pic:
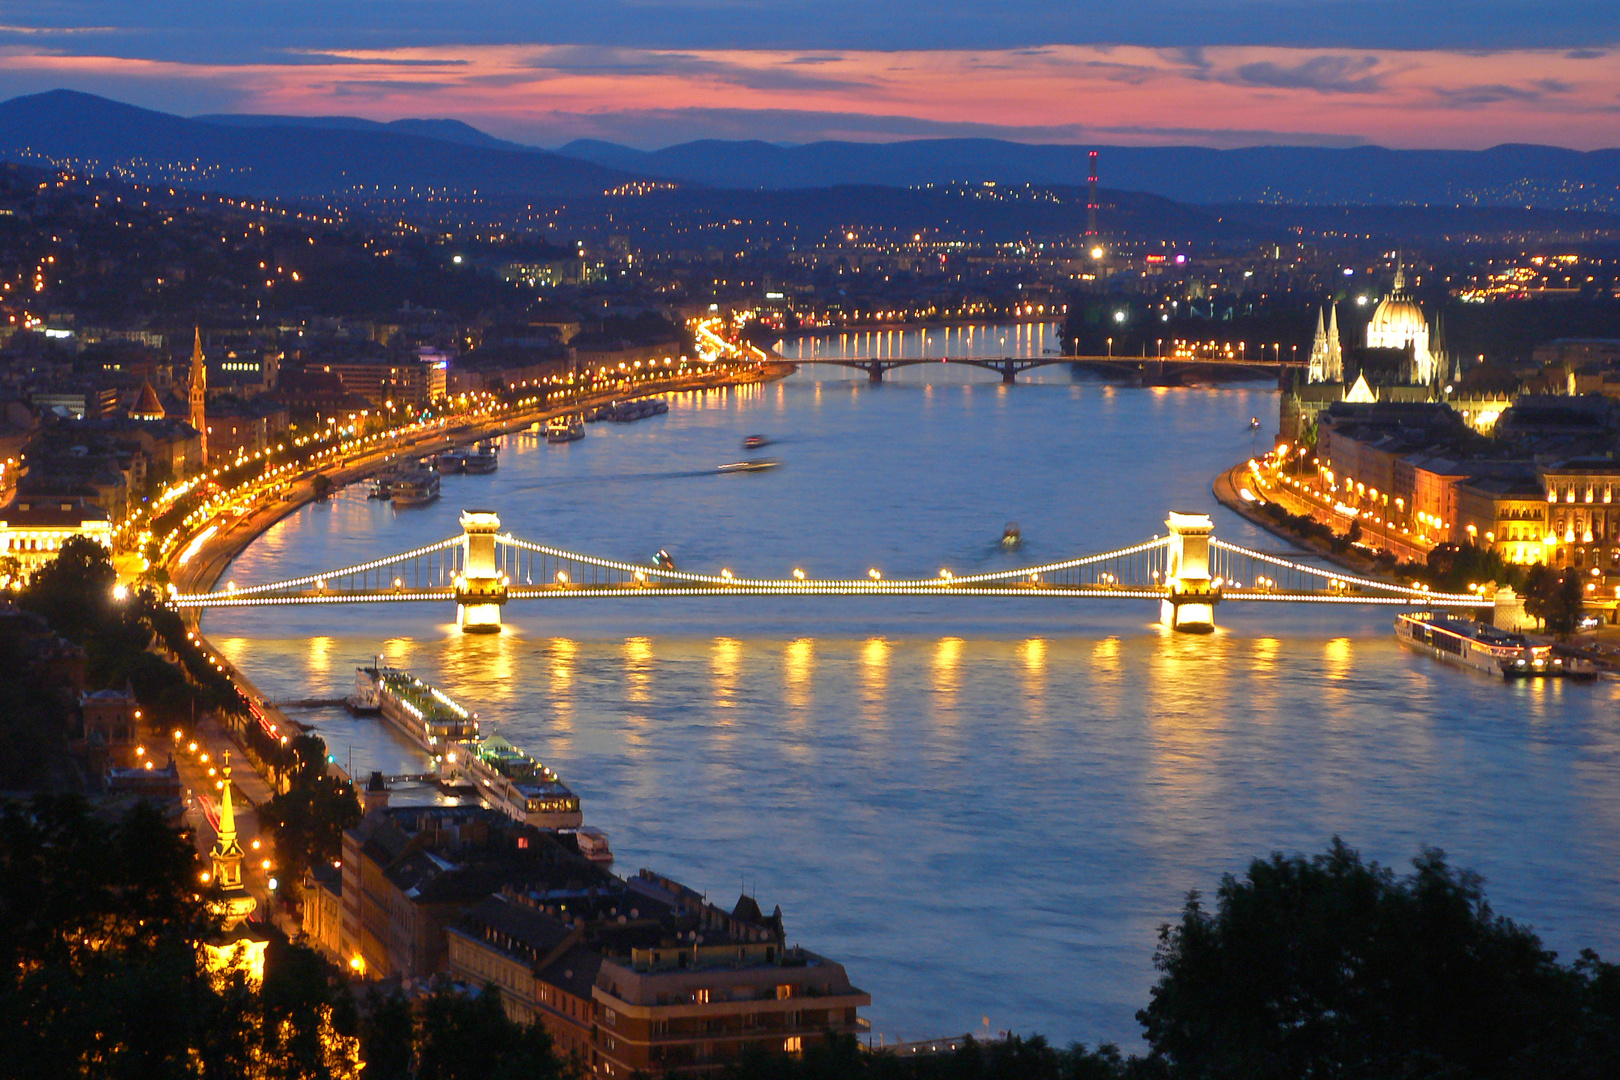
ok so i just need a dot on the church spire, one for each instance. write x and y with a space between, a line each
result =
197 392
1400 275
1335 352
1319 352
227 854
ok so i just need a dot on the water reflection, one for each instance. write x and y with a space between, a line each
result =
798 671
725 661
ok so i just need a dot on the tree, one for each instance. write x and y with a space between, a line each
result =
74 590
1555 597
308 819
470 1037
1334 967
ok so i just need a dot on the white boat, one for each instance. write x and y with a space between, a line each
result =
415 488
564 429
1465 643
746 466
422 713
512 782
593 844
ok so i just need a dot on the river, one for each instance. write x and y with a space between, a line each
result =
983 808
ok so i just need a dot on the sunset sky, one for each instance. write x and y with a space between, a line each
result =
654 72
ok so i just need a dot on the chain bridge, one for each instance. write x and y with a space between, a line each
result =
1009 367
1187 571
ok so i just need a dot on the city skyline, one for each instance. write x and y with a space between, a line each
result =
649 75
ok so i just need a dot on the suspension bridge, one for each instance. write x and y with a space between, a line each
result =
1187 571
1009 367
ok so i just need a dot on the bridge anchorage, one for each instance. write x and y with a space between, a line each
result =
1188 571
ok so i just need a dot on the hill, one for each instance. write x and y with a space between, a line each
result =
307 159
1513 175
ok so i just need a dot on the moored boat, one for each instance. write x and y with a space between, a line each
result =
564 429
481 460
1465 643
415 487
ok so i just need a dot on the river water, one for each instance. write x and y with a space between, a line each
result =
983 808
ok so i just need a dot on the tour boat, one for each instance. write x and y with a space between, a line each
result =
1011 536
423 714
593 843
564 429
664 560
452 461
482 460
512 782
746 466
1465 643
505 778
415 488
381 488
755 442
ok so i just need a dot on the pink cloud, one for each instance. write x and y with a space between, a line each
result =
548 93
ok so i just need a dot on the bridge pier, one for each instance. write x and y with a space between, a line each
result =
1190 607
1008 375
480 587
874 373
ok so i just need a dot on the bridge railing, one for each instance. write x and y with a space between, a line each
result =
539 565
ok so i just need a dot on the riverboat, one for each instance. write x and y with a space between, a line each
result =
746 466
381 488
415 487
505 778
1465 643
482 460
756 442
451 461
1012 536
422 713
564 429
512 782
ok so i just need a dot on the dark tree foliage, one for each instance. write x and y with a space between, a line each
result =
1013 1058
1555 597
386 1036
460 1037
308 819
1334 967
74 590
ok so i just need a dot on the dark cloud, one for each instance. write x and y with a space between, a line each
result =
591 60
1586 54
1324 74
1472 97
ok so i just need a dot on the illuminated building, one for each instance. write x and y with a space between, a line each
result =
646 977
1398 323
236 948
33 529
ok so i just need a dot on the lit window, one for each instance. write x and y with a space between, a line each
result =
793 1044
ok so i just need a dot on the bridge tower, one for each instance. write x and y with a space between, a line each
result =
1190 607
480 587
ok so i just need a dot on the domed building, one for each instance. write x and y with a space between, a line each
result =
1398 323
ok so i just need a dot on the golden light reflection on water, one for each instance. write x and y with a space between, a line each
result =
638 662
798 673
947 661
874 670
1033 653
320 657
725 661
561 654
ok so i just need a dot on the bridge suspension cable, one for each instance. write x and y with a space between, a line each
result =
359 569
1389 592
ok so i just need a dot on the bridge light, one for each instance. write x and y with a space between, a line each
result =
798 575
1216 583
725 574
562 577
398 583
873 574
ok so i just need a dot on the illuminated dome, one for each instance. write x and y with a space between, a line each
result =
1398 323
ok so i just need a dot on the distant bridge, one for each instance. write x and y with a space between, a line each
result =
1010 367
1187 571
